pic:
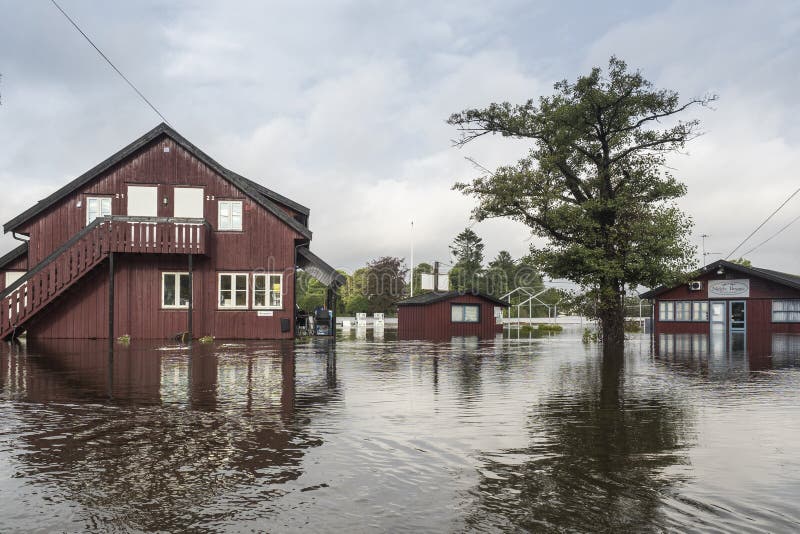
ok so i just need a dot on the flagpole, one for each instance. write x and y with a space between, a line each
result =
412 258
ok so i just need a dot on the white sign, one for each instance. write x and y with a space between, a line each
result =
428 279
265 313
729 288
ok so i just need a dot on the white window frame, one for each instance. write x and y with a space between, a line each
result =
229 226
268 291
177 305
99 199
233 291
463 306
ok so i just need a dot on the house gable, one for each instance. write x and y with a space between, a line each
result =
291 213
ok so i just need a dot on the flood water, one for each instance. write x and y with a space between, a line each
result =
377 435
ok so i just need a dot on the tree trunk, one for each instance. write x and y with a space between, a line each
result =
611 313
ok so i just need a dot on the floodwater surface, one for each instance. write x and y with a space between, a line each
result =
374 434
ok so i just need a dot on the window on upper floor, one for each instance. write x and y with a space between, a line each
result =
268 291
230 215
97 207
188 202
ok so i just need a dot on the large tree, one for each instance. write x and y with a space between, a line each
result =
386 283
594 183
500 274
467 250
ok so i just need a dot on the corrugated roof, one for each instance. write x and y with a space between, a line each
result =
786 279
266 198
316 267
430 298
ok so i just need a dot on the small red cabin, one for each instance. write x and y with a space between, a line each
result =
442 316
156 241
724 299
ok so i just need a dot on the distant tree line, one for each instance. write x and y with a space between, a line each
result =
383 282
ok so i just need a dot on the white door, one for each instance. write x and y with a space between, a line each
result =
189 202
142 201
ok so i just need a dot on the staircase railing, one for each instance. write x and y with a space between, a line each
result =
82 252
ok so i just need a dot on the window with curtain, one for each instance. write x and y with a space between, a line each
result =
666 311
465 313
786 311
700 311
230 215
683 311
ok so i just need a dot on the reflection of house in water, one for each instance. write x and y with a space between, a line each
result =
754 351
160 437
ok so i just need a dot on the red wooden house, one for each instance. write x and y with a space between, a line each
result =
156 240
444 315
726 297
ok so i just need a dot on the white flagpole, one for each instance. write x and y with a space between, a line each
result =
412 258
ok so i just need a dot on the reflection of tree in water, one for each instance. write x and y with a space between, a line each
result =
174 467
595 463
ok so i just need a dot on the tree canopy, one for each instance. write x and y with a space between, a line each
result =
594 183
467 250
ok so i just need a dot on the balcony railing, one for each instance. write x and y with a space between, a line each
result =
155 235
86 249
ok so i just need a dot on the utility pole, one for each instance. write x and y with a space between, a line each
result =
435 276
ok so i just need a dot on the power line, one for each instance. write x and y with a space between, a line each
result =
773 235
763 223
138 92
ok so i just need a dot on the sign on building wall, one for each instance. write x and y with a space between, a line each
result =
727 289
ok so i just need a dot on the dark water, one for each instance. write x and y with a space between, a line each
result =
377 435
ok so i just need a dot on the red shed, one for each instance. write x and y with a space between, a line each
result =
726 297
157 240
441 316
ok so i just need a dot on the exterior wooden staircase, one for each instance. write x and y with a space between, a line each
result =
54 275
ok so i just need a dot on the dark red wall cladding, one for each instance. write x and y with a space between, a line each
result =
262 235
433 321
759 288
265 244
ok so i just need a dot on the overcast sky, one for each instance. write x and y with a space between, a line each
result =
342 105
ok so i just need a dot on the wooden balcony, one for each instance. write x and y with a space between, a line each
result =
154 235
86 249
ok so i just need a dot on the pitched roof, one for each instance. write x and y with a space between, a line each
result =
13 255
266 198
789 280
430 298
